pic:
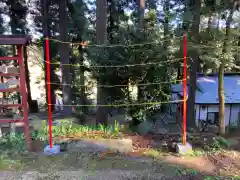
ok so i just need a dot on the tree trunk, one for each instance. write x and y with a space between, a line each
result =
82 82
13 20
2 81
141 14
166 45
221 71
141 11
73 60
64 57
101 27
46 33
221 98
27 76
194 64
238 53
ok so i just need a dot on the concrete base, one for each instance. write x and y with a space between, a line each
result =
183 149
51 151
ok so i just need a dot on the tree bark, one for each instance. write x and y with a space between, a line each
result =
46 33
64 57
221 71
27 76
141 12
101 27
194 64
221 99
82 82
166 43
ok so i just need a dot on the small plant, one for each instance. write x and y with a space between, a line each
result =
197 152
116 128
69 129
219 143
153 153
102 127
7 163
183 172
224 143
14 144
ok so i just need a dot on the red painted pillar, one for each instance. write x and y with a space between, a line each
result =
49 92
184 89
24 100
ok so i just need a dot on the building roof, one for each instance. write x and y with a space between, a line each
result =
14 40
207 92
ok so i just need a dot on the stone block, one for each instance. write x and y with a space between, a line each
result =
101 145
183 149
55 149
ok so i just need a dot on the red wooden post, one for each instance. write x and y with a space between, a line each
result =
49 92
24 100
184 139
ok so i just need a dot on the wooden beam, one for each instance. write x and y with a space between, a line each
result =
8 58
10 90
6 69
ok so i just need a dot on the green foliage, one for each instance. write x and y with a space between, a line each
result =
186 172
13 144
219 143
68 129
7 163
116 128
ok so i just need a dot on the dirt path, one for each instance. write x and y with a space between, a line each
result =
94 166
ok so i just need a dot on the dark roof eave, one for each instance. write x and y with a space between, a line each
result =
217 103
14 40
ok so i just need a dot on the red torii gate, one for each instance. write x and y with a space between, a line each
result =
18 41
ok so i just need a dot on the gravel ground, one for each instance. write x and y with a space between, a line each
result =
99 175
80 175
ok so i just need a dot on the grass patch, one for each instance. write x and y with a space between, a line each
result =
180 171
68 129
13 144
221 178
7 163
154 153
218 144
196 153
76 161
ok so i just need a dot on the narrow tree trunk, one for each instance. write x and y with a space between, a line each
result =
14 27
2 81
46 33
166 27
27 76
73 61
141 14
221 98
194 64
221 72
64 57
238 52
166 45
82 82
141 11
101 28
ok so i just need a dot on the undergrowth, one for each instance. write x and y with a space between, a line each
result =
69 129
16 143
218 144
13 144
